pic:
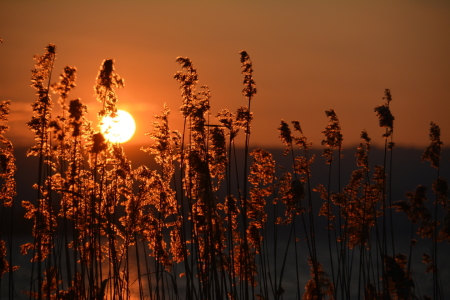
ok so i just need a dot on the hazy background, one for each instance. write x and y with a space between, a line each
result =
308 56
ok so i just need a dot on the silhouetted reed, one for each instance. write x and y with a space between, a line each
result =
203 224
8 191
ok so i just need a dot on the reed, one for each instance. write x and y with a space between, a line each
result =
209 222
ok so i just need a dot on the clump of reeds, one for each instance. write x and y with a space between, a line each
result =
204 225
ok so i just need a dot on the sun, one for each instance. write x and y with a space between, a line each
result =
118 129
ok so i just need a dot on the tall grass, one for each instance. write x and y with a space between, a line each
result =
204 224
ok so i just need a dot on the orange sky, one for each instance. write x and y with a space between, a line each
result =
308 56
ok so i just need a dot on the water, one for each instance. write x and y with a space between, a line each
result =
408 173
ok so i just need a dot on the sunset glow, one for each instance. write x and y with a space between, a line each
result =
224 150
119 129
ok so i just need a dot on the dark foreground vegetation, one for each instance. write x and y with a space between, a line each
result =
209 220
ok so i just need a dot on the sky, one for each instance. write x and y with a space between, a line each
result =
308 57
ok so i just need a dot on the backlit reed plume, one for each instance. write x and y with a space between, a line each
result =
8 190
41 212
322 288
332 141
40 80
333 136
433 155
433 151
7 160
386 120
385 117
249 90
107 80
244 114
400 282
285 136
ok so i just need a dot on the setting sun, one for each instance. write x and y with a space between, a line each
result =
119 129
